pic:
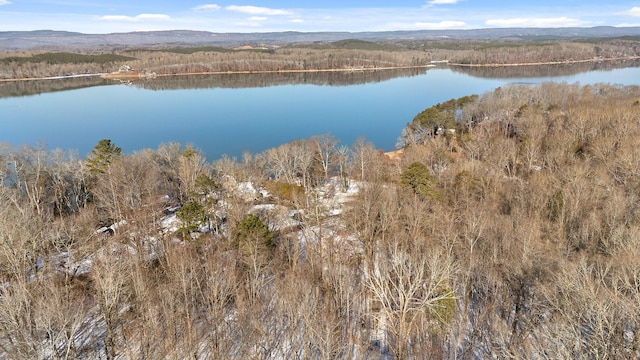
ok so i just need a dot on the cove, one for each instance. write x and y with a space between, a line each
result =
226 114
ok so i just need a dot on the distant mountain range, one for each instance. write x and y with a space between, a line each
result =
49 39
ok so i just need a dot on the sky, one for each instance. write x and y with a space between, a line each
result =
113 16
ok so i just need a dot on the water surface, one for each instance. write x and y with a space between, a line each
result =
232 114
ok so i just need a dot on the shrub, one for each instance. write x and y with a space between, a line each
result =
285 191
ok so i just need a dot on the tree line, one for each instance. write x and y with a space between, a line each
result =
514 236
519 52
345 54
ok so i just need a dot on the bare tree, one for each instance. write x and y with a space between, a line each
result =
413 294
190 164
325 150
366 161
110 275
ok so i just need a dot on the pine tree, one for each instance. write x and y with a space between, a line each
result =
253 231
102 155
192 215
418 179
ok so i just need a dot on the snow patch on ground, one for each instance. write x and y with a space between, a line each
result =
170 223
333 195
279 218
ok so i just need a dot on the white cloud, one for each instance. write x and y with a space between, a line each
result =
297 21
5 2
257 10
135 18
153 17
207 7
634 11
258 18
442 2
536 22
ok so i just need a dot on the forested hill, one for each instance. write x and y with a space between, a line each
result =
16 40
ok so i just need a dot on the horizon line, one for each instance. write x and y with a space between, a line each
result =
329 31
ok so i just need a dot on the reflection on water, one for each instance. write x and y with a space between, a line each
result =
337 78
231 81
230 114
35 87
534 71
237 81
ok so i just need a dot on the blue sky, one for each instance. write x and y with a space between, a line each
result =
108 16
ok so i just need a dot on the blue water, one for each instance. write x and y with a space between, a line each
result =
221 121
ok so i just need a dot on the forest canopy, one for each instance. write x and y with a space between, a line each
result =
64 58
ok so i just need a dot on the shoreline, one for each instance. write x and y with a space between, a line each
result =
635 57
125 76
137 76
59 77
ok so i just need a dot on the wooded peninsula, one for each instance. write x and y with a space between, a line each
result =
508 227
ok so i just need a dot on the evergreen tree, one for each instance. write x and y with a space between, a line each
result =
253 231
418 179
102 155
192 215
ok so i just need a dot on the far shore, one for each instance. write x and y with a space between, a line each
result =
54 77
125 76
135 75
130 76
594 60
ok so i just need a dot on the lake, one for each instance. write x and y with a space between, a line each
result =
231 114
